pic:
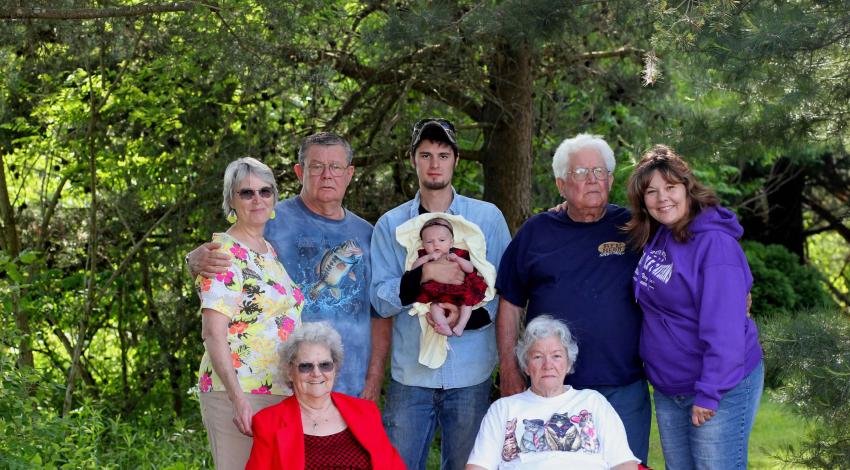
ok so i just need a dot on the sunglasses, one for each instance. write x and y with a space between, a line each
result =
444 123
248 194
307 367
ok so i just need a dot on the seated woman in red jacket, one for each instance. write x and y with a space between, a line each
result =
316 428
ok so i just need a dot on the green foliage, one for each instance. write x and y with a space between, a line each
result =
34 435
761 75
781 285
810 352
829 253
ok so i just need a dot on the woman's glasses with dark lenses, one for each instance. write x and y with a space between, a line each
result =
307 367
248 194
444 123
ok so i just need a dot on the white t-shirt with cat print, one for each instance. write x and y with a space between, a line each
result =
576 429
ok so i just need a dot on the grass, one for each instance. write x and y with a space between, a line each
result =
776 427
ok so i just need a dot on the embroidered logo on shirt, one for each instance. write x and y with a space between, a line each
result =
612 248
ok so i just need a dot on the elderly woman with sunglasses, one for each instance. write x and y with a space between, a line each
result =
248 312
317 428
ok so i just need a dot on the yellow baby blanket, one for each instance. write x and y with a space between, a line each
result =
467 236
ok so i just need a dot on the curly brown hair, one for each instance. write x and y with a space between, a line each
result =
673 169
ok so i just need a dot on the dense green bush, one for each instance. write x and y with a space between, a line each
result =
33 434
780 283
810 351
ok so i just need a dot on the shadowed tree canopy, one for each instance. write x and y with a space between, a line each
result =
770 91
486 65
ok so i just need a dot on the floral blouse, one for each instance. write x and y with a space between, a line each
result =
264 307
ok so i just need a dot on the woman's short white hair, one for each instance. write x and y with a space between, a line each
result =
237 171
541 327
315 333
565 151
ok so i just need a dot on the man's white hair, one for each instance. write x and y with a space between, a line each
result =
561 159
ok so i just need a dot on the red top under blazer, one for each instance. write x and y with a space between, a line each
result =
279 437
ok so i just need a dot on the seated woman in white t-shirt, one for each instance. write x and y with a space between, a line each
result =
551 425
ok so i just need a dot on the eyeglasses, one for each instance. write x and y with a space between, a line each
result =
307 367
248 194
316 169
444 123
581 173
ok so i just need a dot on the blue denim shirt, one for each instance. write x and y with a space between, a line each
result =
471 357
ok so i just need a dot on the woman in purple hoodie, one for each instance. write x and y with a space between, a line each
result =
699 345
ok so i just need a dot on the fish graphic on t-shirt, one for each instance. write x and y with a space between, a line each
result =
335 265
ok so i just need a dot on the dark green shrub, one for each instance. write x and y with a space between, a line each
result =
781 284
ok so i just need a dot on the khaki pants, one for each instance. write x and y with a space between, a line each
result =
230 448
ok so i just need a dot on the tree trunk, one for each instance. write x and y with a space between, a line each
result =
122 339
785 204
777 218
174 374
94 13
91 272
12 244
508 130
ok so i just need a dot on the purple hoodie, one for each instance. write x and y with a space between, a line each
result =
696 337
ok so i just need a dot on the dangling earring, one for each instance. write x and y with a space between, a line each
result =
231 216
272 215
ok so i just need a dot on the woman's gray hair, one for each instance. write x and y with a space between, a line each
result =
239 170
541 327
316 333
565 151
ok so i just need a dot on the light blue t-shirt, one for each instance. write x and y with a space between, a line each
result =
329 259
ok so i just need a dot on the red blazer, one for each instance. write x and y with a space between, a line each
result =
279 437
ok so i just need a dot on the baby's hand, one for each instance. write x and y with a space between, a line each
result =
435 256
451 257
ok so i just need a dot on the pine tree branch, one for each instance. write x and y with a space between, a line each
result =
392 73
827 215
95 13
814 231
619 52
841 296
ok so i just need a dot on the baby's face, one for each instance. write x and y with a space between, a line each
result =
437 239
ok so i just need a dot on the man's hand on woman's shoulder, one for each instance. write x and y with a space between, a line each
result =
207 261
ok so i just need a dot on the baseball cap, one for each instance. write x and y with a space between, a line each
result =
436 129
